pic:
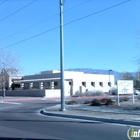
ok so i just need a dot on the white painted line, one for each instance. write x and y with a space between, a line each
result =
9 103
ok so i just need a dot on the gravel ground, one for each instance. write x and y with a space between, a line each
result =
126 106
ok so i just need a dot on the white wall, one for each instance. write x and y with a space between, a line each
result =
79 77
54 93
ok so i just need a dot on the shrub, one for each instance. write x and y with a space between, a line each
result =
77 93
113 90
72 103
95 102
87 102
90 93
98 93
109 102
104 100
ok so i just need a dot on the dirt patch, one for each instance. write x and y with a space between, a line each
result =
72 103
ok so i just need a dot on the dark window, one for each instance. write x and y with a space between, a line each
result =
84 84
70 83
101 84
93 84
17 85
48 84
55 84
109 84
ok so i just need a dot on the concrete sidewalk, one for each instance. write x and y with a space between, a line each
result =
127 113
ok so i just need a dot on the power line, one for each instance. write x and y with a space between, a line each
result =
29 38
65 24
77 5
27 27
98 12
42 21
17 11
3 2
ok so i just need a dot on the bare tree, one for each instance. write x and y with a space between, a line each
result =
137 79
136 59
127 76
8 67
137 75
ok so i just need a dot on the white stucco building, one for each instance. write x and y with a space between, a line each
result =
74 81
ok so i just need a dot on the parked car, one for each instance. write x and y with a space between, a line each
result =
136 92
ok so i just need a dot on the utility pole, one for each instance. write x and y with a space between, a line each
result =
62 58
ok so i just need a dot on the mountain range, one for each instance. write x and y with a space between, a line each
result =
116 74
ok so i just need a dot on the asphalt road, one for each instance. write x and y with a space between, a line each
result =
25 121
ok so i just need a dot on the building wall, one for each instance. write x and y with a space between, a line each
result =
74 81
24 93
90 81
34 93
55 93
41 76
12 78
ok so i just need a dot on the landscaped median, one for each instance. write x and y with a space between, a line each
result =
127 113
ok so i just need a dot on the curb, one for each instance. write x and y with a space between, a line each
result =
91 118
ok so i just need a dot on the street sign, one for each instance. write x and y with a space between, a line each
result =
125 86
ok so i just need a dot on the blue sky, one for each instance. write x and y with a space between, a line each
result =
106 40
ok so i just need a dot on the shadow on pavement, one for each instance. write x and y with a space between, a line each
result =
44 121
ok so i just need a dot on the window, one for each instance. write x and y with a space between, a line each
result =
101 84
48 83
55 84
84 84
70 83
109 84
36 85
93 84
17 85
